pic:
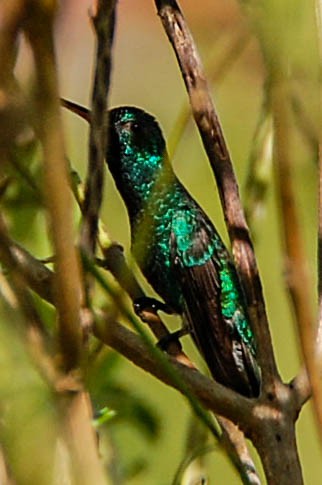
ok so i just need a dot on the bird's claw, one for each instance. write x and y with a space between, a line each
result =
145 303
165 341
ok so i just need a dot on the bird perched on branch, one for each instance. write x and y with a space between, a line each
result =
180 252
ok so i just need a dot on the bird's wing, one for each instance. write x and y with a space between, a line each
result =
201 265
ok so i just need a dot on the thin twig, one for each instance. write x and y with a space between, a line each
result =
103 19
35 274
38 275
115 262
18 283
216 149
79 110
233 440
213 395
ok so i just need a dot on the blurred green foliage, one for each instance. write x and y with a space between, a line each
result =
142 425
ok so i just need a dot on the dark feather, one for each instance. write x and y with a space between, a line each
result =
229 358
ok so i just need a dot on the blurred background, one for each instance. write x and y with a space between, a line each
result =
145 74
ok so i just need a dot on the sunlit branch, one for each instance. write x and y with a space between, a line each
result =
67 277
211 133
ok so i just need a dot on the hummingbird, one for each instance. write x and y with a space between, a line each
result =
180 252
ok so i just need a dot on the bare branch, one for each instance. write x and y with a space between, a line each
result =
213 395
235 444
103 21
262 419
77 109
87 468
302 388
18 282
216 149
317 391
126 342
67 276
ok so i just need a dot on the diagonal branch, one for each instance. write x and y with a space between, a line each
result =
211 133
219 398
213 395
261 419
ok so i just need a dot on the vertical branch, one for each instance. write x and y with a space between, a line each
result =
211 133
76 407
103 21
87 468
67 280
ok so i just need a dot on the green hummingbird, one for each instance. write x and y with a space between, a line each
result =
180 252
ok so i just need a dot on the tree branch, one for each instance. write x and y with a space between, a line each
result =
216 149
128 343
213 395
67 276
261 419
103 18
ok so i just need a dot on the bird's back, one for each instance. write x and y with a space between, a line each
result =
188 265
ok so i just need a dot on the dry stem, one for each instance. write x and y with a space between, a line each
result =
103 20
58 199
211 133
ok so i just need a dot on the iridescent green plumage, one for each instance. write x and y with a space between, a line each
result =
179 250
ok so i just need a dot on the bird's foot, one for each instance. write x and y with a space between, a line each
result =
165 341
144 304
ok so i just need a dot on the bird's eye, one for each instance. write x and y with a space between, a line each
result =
131 126
126 126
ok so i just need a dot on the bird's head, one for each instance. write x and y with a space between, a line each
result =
136 151
134 135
